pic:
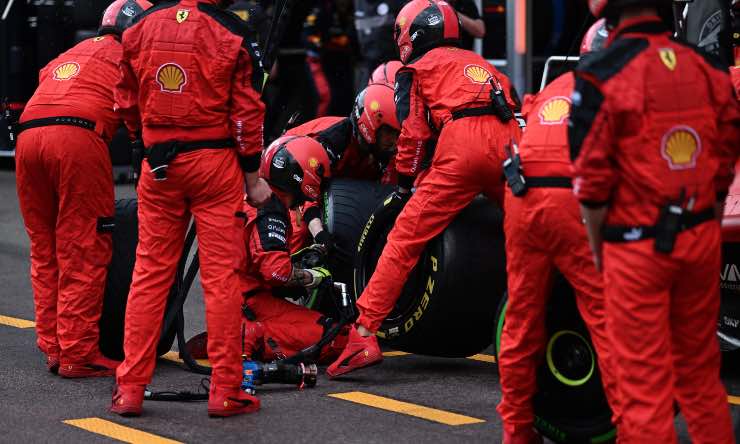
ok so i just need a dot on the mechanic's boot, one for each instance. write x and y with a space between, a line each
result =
127 400
52 363
224 402
526 436
360 352
98 366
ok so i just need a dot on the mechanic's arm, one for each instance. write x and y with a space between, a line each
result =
247 115
728 149
590 137
126 97
473 26
415 130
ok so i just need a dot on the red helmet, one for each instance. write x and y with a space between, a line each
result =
423 25
595 38
602 8
296 165
386 73
374 107
120 14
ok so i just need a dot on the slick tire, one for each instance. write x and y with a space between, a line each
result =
118 282
570 405
347 206
449 301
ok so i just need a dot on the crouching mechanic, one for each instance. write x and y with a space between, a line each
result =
544 231
65 190
190 82
297 168
650 165
459 92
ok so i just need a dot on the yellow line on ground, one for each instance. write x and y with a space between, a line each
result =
733 399
389 354
407 408
483 358
117 431
175 357
16 322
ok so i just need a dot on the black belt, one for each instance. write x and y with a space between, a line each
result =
473 112
59 120
622 233
548 182
160 155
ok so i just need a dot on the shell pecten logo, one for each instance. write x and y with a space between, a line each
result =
171 78
66 71
555 111
681 147
477 74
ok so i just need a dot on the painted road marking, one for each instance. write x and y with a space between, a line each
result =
116 431
389 354
483 358
16 322
174 356
733 399
407 408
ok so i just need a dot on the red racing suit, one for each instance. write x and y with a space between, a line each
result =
655 121
347 158
65 188
273 327
466 162
190 74
544 231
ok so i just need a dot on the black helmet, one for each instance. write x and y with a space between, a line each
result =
120 14
423 25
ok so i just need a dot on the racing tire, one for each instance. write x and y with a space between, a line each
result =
570 405
118 283
348 204
449 301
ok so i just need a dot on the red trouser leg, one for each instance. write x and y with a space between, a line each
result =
163 219
217 194
696 357
466 163
529 270
85 194
572 256
38 201
662 313
292 327
73 167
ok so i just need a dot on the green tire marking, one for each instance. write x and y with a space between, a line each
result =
500 329
551 365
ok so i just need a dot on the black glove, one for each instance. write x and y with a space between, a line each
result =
324 238
137 157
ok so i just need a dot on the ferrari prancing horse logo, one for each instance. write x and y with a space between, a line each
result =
182 15
668 57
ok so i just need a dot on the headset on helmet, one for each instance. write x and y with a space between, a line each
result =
374 107
296 165
120 14
386 73
595 38
422 25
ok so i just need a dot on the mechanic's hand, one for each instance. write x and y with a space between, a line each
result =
318 274
324 239
258 191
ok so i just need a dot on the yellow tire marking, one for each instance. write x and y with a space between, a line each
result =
733 399
117 431
406 408
389 354
175 357
16 322
483 358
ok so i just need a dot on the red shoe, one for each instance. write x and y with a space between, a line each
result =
127 400
229 402
52 363
360 352
99 366
526 436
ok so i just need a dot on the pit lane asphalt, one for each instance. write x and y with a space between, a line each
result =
34 403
